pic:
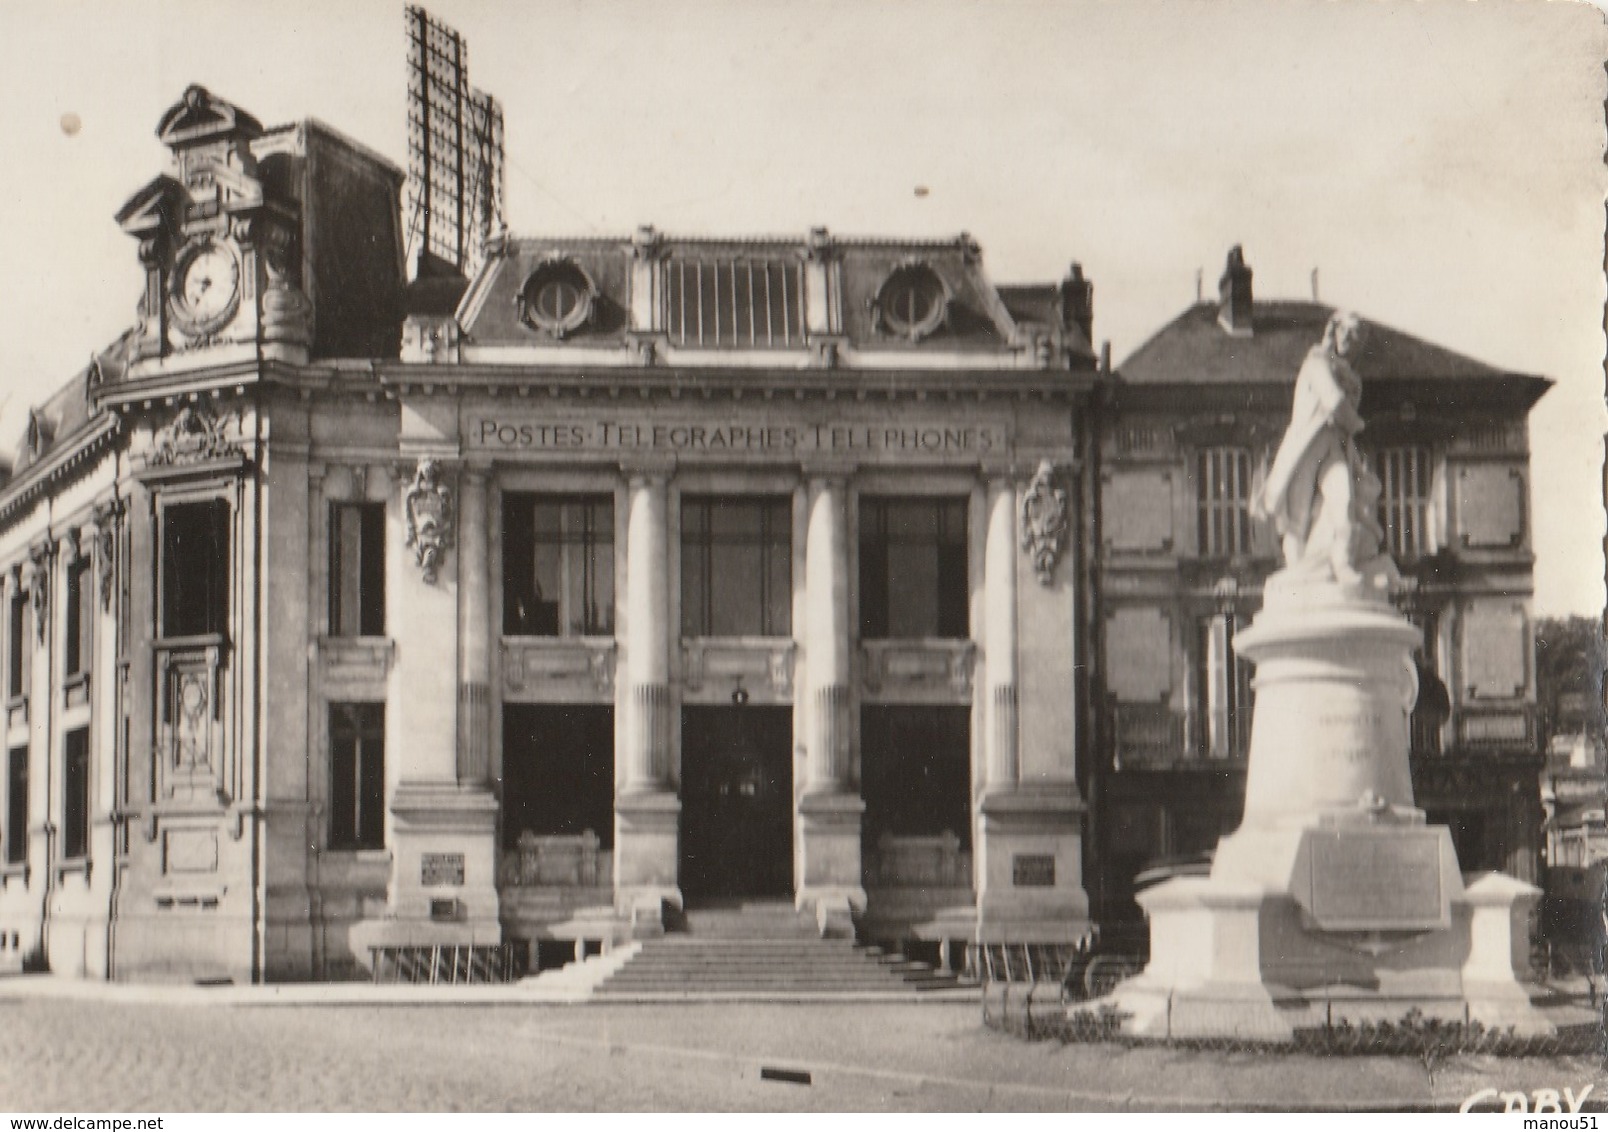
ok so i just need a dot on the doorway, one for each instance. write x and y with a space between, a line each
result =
736 802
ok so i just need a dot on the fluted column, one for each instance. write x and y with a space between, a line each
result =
647 760
827 644
474 633
999 597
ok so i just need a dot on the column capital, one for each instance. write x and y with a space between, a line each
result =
828 470
648 467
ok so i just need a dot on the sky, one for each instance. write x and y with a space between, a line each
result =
1439 163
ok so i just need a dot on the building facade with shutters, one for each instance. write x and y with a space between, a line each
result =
1186 428
347 614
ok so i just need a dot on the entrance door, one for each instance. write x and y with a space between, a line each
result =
736 802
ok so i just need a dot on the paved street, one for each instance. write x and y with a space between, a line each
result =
64 1055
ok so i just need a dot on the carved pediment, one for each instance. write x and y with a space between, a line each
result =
157 207
200 116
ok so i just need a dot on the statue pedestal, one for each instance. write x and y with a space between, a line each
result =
1333 900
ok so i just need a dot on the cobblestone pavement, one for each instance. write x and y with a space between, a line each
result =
76 1056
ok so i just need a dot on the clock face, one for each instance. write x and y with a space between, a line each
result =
206 289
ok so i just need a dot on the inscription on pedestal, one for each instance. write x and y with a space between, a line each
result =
1033 870
1376 881
440 869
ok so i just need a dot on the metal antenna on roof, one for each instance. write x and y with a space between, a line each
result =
1199 273
1314 284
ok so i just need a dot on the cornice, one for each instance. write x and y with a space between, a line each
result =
68 457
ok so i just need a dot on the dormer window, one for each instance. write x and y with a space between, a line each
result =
912 302
557 299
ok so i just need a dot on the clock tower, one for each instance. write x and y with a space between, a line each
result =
221 249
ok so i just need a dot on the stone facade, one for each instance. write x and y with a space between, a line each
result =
644 577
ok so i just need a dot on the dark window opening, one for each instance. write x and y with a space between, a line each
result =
357 570
1223 486
558 566
75 796
913 571
736 567
17 806
19 654
1222 692
1470 837
195 569
357 776
80 618
558 771
916 772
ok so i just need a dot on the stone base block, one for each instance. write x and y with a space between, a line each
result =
829 832
647 851
1231 959
1030 868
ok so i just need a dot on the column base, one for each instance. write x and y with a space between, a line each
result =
1030 868
444 863
830 878
646 860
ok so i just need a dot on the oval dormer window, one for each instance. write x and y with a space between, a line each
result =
557 298
912 302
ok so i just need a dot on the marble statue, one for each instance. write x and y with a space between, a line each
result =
1319 491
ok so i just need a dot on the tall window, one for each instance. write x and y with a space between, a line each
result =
17 806
734 302
357 570
913 568
19 651
736 567
1404 511
558 566
1222 691
1223 486
195 569
75 796
80 618
357 776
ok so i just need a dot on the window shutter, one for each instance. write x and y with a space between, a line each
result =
1490 506
1494 647
1138 655
1138 510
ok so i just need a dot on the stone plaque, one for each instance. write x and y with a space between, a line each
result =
440 869
1033 870
1376 881
444 909
190 851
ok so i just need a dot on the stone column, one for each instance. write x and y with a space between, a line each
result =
999 599
826 586
474 646
647 810
648 658
829 809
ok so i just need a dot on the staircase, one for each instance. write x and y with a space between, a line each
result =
763 951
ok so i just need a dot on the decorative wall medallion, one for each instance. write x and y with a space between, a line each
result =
192 436
1044 523
205 290
911 303
429 511
557 298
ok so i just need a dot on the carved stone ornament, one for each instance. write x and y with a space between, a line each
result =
428 506
1044 523
190 437
108 516
38 577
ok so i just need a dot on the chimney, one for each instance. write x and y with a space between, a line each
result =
1234 294
1077 302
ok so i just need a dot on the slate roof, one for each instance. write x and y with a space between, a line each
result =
1195 349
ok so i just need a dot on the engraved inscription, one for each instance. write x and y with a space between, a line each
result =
1376 881
1033 870
440 869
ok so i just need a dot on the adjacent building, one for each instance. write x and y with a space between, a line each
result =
1185 431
